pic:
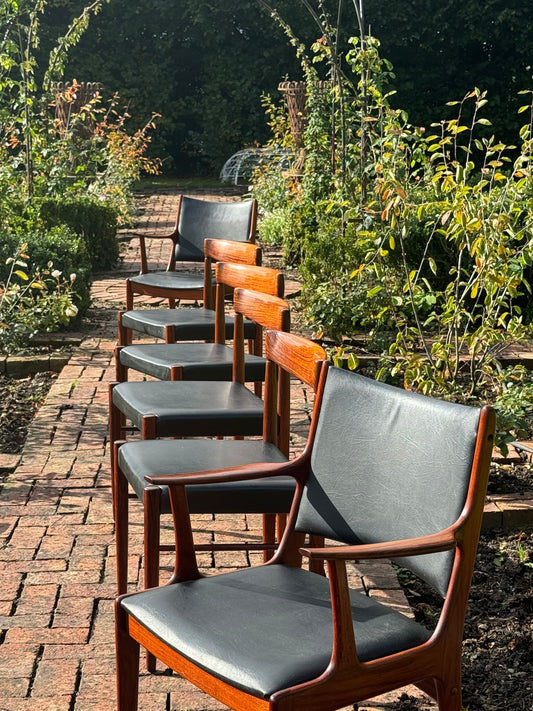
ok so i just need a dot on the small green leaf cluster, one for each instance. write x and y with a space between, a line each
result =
43 245
33 301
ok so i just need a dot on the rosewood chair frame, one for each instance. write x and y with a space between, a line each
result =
269 311
287 355
229 275
202 328
433 663
184 240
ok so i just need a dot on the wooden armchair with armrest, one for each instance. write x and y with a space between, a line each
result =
388 474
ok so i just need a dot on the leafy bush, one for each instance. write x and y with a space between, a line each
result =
64 180
425 235
39 302
57 249
95 222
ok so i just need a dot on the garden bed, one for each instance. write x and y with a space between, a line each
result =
19 401
498 638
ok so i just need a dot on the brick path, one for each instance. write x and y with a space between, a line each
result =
57 556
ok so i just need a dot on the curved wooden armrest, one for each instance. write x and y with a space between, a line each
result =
221 476
434 543
143 235
344 654
142 246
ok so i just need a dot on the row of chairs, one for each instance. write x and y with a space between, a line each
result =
385 474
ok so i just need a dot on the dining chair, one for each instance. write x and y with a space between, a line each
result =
387 474
287 355
187 323
208 361
196 220
201 408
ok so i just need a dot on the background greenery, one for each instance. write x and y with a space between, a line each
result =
64 181
203 65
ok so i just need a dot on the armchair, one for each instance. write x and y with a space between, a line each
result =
196 220
387 474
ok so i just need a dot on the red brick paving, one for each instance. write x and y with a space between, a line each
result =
57 558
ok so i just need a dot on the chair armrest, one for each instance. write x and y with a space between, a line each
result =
344 658
221 476
171 236
434 543
142 244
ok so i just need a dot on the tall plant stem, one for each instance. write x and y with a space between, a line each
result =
360 12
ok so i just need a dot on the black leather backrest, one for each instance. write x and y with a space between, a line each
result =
388 464
202 219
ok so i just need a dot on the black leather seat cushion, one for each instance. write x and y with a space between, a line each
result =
182 280
267 628
189 324
192 408
199 361
163 457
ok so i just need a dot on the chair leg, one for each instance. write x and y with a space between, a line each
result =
115 432
449 697
152 535
124 334
152 540
121 372
127 660
170 334
149 427
269 534
120 507
129 296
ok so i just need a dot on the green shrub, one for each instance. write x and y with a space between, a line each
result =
56 249
32 301
271 227
95 222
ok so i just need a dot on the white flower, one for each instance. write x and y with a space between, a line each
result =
56 273
72 276
71 311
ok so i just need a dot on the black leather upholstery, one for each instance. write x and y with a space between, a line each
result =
181 280
191 408
201 219
214 622
137 460
188 324
388 464
199 361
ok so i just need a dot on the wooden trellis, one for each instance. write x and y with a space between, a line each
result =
296 96
296 99
70 98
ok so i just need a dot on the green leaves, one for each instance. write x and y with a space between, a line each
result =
424 244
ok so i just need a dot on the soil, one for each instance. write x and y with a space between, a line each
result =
19 401
498 636
498 640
